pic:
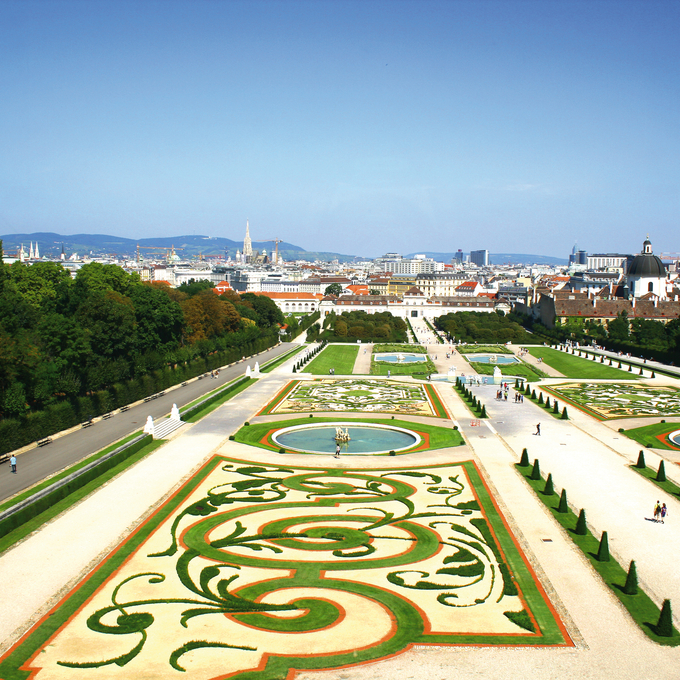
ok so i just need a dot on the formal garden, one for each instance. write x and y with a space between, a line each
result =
361 395
607 400
248 567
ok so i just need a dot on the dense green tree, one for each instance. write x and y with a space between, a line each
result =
619 328
39 284
268 313
160 319
194 287
102 277
333 289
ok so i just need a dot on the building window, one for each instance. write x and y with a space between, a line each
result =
650 287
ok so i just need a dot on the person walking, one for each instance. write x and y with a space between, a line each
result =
538 429
657 511
13 464
337 450
664 512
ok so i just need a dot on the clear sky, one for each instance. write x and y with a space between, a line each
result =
355 127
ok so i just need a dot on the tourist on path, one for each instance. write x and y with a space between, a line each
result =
657 511
337 450
13 464
664 512
538 429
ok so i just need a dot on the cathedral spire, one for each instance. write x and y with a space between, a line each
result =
247 244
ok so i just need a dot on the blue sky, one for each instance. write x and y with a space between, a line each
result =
355 127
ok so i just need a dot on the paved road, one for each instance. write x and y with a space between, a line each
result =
36 464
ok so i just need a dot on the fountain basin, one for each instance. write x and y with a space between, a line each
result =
401 358
492 359
674 437
364 438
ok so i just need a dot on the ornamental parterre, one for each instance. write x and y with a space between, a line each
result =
372 396
606 400
258 571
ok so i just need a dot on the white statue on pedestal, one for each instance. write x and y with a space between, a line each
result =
149 427
497 376
174 413
256 370
248 372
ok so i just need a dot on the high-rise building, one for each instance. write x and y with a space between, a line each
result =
480 257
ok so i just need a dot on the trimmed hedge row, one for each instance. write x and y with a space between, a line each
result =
61 416
195 408
49 499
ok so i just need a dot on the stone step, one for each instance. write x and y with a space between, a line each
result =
162 428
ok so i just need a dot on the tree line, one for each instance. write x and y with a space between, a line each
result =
62 338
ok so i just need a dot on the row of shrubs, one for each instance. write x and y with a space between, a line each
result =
474 404
434 330
301 326
553 408
309 356
15 433
664 626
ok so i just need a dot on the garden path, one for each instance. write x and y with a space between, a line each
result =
362 366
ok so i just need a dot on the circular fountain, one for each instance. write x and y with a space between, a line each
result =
358 438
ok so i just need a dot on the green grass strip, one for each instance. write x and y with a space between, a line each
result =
650 473
275 363
483 349
640 607
647 435
339 357
65 503
212 405
65 473
420 368
394 347
510 371
440 437
571 366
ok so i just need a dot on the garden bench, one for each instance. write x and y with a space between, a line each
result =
4 457
124 408
106 416
148 398
87 423
45 442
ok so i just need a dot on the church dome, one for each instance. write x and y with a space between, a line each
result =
646 263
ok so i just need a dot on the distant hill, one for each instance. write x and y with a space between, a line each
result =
186 246
499 258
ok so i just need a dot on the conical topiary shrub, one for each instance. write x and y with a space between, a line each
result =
533 394
540 398
641 373
581 528
294 369
640 465
549 490
556 407
653 375
536 470
603 550
661 474
630 368
664 627
524 460
547 402
527 389
619 364
565 415
483 412
631 586
563 507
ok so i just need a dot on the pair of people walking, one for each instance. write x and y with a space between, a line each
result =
660 512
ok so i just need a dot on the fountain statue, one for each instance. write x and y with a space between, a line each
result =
400 358
497 376
493 359
342 436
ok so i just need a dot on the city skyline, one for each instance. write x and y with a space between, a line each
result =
347 127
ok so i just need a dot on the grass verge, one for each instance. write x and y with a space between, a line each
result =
438 437
520 370
65 503
339 357
483 349
275 363
640 607
420 368
649 473
571 366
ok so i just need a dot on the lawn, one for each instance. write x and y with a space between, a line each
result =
439 437
420 368
339 357
571 366
647 435
399 349
483 349
520 370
